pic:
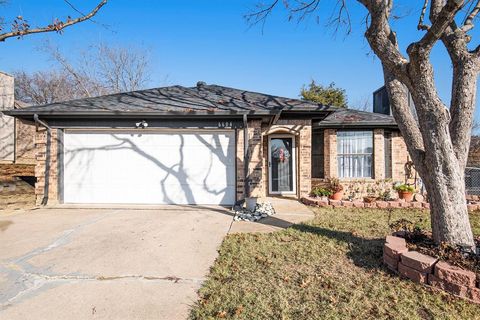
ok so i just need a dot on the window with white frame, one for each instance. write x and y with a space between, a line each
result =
354 154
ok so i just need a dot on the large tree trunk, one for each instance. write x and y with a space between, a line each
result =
448 209
432 151
445 185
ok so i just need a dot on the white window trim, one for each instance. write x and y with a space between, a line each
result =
372 154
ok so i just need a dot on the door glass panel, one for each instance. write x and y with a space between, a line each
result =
281 164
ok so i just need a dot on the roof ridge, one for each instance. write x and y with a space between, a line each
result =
269 95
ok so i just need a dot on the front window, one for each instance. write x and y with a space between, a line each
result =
354 154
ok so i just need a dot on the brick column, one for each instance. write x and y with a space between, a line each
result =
256 164
240 178
330 153
40 156
305 159
378 154
399 157
256 158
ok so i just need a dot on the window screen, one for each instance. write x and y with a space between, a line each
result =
354 154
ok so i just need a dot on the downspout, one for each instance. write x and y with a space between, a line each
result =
47 157
246 158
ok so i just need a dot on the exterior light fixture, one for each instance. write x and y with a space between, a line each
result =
141 125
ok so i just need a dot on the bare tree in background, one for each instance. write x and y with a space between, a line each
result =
98 71
364 103
439 142
20 26
46 87
110 68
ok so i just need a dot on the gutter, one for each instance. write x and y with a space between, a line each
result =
218 113
47 157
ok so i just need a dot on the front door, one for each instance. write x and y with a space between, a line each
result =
281 163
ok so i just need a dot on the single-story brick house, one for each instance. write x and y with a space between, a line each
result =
186 145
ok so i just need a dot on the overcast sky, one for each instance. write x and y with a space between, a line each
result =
210 40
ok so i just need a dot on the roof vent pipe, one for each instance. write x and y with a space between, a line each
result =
47 157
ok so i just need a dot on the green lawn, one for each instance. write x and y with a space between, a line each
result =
330 268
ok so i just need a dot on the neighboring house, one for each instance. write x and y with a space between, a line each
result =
474 152
472 172
187 146
16 136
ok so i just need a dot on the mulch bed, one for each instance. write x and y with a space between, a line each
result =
422 242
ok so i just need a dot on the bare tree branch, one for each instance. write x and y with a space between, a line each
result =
383 40
441 22
20 26
421 25
81 80
104 69
468 24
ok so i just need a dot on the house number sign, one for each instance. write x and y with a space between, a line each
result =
225 124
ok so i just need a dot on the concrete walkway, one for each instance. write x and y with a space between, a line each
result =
288 212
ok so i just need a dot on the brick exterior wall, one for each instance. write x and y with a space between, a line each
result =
301 130
474 152
330 153
399 157
256 160
258 135
378 154
304 160
240 176
41 149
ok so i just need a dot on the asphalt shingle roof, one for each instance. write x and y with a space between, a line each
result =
355 118
210 99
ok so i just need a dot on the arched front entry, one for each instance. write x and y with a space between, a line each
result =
282 169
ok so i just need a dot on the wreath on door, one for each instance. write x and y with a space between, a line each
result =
281 155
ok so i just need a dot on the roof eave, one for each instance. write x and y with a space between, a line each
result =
355 125
23 112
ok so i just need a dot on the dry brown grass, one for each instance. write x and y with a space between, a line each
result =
329 268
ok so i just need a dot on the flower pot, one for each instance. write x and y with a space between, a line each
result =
369 199
251 203
337 195
405 195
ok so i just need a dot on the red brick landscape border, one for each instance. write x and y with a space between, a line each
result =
429 271
318 202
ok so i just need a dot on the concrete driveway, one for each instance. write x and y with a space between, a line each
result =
63 263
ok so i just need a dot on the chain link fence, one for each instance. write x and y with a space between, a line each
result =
472 180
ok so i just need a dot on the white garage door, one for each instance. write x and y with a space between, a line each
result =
148 167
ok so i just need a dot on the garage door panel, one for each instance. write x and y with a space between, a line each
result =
152 167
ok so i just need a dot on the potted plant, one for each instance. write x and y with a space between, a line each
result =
371 197
405 191
336 189
320 192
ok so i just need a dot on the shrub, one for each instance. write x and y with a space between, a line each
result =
404 187
385 195
321 192
335 185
